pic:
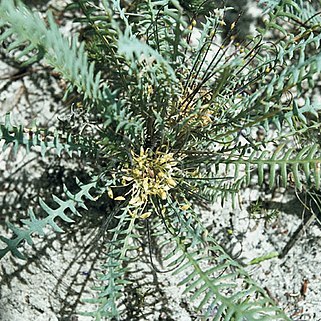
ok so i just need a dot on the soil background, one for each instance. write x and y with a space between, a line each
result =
60 270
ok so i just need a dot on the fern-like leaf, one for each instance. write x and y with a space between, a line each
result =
35 225
304 163
115 268
30 31
35 137
219 287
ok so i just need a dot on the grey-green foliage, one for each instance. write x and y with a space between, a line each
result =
34 225
269 5
30 138
174 122
116 265
223 290
39 40
305 161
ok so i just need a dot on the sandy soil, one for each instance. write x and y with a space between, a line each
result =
60 270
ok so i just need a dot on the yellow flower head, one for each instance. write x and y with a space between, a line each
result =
151 174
